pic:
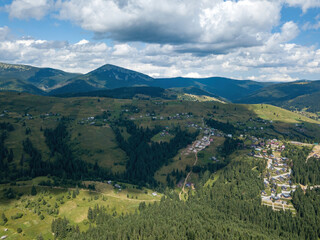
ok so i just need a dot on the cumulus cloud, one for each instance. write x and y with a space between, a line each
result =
276 62
304 4
289 31
25 9
196 38
199 27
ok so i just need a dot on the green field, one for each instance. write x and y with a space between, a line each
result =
74 209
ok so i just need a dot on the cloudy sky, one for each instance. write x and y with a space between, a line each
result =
264 40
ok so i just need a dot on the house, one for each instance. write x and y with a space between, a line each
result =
263 192
273 190
117 186
109 182
154 194
285 195
4 237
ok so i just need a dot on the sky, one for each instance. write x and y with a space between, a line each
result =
261 40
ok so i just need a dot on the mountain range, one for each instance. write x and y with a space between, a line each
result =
48 81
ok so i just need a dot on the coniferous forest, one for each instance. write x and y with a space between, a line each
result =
220 211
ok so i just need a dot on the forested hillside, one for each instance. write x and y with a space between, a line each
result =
196 156
300 95
230 208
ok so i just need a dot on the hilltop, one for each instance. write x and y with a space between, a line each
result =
44 79
300 95
55 82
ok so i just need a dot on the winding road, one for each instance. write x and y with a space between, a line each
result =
188 175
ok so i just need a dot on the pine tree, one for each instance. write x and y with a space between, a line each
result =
90 214
10 156
33 191
4 218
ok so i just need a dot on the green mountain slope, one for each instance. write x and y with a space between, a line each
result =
227 88
110 77
127 93
105 77
19 86
294 95
42 78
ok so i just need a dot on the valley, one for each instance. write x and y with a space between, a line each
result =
104 141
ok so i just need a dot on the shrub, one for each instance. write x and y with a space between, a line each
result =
18 215
33 191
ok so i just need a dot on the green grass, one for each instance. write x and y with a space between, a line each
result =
75 209
98 144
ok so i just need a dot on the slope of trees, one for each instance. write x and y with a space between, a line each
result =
224 127
306 172
145 158
229 209
66 164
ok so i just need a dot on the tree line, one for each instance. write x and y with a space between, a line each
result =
145 156
229 208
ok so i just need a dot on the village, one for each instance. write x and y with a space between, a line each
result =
278 187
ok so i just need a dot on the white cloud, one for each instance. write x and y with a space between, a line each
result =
4 33
304 4
196 26
25 9
289 31
123 50
192 75
181 38
284 62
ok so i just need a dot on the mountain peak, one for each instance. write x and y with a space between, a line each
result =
113 69
7 66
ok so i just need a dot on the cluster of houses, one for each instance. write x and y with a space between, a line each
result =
277 181
164 133
89 120
50 114
200 144
153 116
261 147
116 185
276 145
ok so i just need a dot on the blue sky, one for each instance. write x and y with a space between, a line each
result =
263 40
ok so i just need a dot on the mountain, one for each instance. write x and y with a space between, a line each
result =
195 91
57 82
227 88
110 76
294 95
127 93
11 84
45 79
107 77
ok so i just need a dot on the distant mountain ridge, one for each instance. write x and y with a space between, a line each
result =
44 79
54 82
111 77
293 95
227 88
48 81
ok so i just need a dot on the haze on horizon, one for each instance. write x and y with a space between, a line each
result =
246 39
